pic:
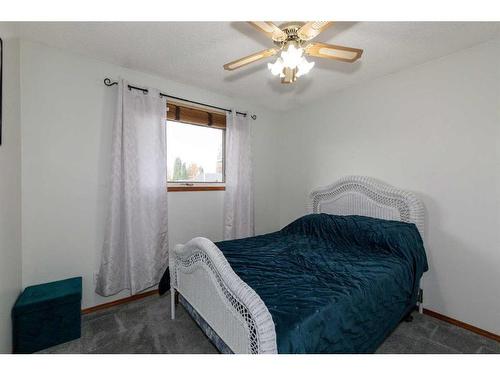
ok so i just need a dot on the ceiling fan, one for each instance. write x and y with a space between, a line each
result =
292 40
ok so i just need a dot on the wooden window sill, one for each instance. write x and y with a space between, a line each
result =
195 188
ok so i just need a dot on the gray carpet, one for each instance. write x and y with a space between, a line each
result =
144 326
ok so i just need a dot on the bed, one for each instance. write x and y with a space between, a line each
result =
337 280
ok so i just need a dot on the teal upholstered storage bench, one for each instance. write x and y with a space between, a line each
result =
46 315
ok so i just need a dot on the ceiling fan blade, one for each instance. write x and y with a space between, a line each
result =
270 29
250 59
330 51
312 29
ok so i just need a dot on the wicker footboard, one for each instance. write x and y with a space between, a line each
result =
201 274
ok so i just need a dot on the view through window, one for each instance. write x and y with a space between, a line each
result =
194 153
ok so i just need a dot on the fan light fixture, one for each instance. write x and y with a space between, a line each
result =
293 42
291 58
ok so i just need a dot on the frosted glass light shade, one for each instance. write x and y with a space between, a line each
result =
292 56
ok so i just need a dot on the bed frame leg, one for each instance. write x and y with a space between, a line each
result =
421 301
172 303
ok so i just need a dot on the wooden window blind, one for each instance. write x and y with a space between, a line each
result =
198 116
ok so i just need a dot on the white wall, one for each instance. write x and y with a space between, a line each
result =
10 191
66 133
433 129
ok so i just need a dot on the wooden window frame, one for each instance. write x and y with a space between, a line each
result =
194 115
176 187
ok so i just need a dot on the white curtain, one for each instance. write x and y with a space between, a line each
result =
135 249
238 198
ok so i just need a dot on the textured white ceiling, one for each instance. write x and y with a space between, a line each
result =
194 52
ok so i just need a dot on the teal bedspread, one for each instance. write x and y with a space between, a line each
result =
333 284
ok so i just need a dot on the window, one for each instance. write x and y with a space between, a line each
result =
195 148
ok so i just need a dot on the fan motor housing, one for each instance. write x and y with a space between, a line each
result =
291 29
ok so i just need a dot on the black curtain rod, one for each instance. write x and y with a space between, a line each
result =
109 82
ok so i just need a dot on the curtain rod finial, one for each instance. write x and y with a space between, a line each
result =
109 82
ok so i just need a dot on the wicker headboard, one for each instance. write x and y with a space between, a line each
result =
359 195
